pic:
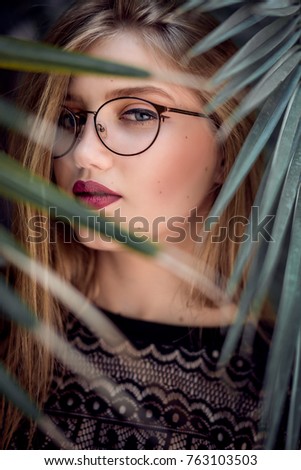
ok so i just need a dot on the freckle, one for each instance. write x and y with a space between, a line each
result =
158 182
206 168
160 192
187 197
186 136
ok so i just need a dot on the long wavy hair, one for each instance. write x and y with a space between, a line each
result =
170 36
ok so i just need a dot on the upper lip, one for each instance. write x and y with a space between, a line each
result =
91 187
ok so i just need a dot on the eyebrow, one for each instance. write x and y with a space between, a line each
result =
132 91
128 91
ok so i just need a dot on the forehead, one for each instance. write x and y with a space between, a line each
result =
128 48
131 49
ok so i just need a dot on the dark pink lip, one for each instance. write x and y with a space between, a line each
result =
94 194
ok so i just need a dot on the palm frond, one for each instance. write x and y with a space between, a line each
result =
278 8
262 45
289 64
285 345
266 122
251 73
77 303
12 390
211 4
16 310
24 55
294 418
46 196
241 20
268 63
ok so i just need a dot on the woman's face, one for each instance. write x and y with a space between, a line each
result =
159 189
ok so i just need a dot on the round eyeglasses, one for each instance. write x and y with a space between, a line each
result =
126 126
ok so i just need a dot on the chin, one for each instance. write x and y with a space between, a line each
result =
97 241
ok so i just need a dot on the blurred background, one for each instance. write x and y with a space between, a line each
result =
26 19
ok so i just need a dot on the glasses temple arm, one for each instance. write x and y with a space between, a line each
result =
193 113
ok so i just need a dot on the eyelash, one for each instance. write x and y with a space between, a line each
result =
79 112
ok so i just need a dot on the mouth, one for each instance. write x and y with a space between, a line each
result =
94 194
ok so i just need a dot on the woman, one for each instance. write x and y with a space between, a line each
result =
145 153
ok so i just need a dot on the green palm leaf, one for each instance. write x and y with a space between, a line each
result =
279 9
261 45
13 392
19 54
45 195
235 24
274 59
288 327
259 135
213 4
91 316
247 250
270 81
250 73
294 418
271 61
265 260
15 309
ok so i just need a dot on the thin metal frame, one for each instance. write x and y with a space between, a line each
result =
159 108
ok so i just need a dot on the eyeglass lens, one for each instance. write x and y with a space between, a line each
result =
126 126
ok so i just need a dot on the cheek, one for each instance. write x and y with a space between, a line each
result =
185 176
64 173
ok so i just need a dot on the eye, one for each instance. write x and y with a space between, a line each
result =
81 119
139 115
67 120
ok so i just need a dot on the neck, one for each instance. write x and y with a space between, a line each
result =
135 286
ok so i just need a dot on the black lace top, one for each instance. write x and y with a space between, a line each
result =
161 389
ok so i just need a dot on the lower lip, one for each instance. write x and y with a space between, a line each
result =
99 202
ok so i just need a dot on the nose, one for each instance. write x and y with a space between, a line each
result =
89 151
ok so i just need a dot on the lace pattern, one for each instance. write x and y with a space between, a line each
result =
161 389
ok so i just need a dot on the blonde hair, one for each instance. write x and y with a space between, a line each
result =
86 22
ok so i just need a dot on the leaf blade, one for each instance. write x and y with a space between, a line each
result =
260 45
269 83
235 24
21 54
279 370
261 131
192 4
249 74
265 259
277 10
44 195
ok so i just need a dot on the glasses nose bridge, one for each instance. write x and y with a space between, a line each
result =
97 125
92 112
98 128
81 126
